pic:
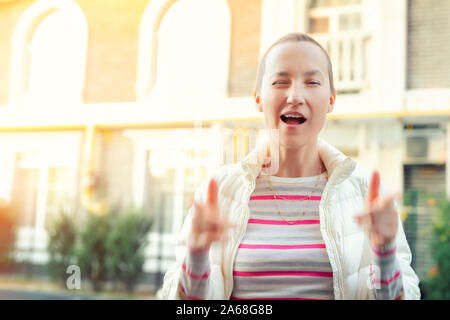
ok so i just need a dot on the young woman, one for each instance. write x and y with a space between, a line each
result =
305 222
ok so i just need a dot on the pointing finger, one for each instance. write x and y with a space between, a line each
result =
373 192
212 192
374 186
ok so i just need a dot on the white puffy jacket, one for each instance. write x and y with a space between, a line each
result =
346 243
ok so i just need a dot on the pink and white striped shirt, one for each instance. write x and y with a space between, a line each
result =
277 260
280 260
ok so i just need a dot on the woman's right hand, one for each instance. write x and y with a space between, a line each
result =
207 224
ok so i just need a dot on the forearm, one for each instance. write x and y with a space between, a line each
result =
385 272
194 279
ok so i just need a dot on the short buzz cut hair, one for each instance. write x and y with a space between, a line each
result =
291 37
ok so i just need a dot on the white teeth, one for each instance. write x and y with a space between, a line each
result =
293 116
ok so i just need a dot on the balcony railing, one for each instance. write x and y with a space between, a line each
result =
348 54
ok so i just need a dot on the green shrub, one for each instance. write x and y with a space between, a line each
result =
61 246
91 253
105 247
437 286
126 242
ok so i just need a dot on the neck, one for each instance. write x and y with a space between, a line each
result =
299 162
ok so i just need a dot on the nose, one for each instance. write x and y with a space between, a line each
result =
295 95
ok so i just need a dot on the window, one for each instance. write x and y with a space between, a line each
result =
40 192
181 57
193 178
24 196
338 25
49 54
53 75
6 175
163 196
60 193
169 186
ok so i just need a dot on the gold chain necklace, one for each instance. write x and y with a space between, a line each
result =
275 195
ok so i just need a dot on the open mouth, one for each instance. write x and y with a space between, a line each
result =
293 119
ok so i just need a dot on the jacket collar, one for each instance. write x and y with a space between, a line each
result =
338 165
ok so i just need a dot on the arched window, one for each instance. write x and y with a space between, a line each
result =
49 54
185 55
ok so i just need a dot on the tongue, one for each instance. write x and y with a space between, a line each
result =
292 121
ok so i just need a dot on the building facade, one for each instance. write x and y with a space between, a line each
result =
133 103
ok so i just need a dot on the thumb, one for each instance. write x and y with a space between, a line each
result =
374 186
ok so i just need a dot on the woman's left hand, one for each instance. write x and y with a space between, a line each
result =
379 217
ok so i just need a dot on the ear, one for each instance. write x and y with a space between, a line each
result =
332 101
258 103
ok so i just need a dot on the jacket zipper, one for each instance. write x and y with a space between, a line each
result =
334 247
241 236
340 290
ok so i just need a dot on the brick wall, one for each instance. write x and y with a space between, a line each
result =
112 49
428 44
113 40
244 47
114 161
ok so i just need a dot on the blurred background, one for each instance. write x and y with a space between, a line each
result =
113 111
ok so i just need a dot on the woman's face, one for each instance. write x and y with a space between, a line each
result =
296 82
